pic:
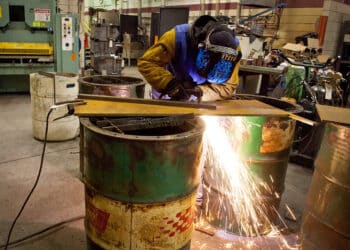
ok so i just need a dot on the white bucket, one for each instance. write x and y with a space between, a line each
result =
42 98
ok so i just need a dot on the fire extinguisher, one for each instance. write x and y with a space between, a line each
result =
86 40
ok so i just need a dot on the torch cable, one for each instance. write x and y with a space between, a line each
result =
36 181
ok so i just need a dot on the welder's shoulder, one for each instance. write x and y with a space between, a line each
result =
167 42
163 50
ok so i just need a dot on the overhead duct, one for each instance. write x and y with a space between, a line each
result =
260 3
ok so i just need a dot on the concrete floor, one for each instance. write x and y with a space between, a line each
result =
59 195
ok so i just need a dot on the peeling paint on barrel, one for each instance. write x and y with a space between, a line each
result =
114 224
326 217
141 168
140 189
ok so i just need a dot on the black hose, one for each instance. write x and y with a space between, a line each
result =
36 181
15 242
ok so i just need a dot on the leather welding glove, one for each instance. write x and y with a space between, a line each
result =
181 90
192 88
195 91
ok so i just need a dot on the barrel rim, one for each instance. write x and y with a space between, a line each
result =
338 125
88 187
140 81
323 222
58 74
197 130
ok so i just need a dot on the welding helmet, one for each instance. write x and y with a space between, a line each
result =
217 53
199 29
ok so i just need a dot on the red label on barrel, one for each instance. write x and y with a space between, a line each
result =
97 217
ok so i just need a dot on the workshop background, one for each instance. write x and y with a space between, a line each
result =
79 172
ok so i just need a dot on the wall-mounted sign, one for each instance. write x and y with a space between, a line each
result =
42 15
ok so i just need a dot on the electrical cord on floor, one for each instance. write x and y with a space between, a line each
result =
42 231
36 181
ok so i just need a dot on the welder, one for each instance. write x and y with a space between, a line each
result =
198 62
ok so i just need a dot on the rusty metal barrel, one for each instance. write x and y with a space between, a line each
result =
264 147
140 182
326 218
46 89
120 86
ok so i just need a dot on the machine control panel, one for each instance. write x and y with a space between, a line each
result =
67 33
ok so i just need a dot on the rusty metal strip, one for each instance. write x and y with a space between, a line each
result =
303 119
223 108
147 101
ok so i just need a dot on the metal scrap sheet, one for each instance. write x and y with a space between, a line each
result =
117 107
333 114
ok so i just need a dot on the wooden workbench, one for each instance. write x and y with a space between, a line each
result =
263 74
259 69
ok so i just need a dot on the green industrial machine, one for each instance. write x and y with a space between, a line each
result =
34 37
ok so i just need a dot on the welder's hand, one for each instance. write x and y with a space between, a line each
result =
182 90
176 91
195 91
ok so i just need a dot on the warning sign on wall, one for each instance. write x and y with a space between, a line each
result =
42 15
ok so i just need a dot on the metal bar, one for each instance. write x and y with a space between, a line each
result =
226 108
147 101
138 123
105 121
116 127
149 124
303 120
280 5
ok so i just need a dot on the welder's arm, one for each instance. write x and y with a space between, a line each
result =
213 92
152 64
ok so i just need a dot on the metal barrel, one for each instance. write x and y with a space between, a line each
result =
326 218
106 64
140 186
45 90
104 32
264 147
121 86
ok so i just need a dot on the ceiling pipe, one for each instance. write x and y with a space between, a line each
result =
202 4
238 11
217 7
121 7
139 13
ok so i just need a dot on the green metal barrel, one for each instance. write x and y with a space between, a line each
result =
326 218
263 146
140 185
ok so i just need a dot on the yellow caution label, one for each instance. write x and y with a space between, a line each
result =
39 24
0 11
36 24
